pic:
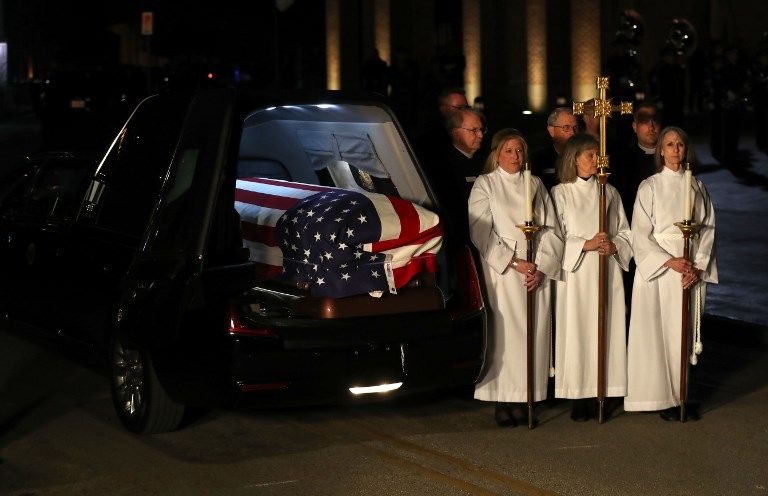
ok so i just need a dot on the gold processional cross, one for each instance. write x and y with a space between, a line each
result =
602 108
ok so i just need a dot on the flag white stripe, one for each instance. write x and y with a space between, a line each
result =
403 254
259 252
271 189
258 215
390 221
427 218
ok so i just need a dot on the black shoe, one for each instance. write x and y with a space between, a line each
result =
503 415
611 405
670 414
692 412
520 414
580 410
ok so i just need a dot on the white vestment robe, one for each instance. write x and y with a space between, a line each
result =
496 207
577 204
655 325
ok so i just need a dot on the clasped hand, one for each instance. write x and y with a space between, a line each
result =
533 276
689 275
600 243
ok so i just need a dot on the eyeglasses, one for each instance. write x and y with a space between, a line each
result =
568 128
475 130
457 107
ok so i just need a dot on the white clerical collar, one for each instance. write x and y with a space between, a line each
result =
667 171
468 155
511 175
584 182
648 151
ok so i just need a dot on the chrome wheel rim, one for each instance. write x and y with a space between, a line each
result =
128 379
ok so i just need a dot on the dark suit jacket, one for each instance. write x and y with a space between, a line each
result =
633 166
544 165
452 175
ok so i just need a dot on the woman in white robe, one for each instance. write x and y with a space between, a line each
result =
496 207
662 272
577 202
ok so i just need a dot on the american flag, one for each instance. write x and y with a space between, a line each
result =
341 242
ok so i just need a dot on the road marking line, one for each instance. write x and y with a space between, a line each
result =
509 481
577 447
277 483
430 473
398 461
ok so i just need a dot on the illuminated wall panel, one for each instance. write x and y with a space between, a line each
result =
471 30
333 44
585 48
382 29
536 44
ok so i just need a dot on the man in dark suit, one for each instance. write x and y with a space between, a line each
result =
456 165
634 165
435 135
561 125
637 162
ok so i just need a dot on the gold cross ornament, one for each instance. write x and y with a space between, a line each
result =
602 108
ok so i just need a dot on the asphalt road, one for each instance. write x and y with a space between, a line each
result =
59 436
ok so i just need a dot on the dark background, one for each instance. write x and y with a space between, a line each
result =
54 45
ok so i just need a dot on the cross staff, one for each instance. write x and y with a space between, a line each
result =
602 108
688 228
529 229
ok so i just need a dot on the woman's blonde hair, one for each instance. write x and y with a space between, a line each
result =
658 159
501 137
575 146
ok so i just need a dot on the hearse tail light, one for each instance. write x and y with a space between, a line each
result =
238 327
381 388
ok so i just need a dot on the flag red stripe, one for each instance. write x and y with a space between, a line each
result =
259 233
266 271
424 263
285 184
264 199
409 218
421 238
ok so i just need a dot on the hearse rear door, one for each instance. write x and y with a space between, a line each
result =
163 279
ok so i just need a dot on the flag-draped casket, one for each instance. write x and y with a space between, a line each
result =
339 242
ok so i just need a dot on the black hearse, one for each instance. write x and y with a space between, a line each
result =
140 254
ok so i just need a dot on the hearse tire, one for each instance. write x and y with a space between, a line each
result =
141 403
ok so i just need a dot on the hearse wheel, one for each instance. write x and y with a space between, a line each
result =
140 401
